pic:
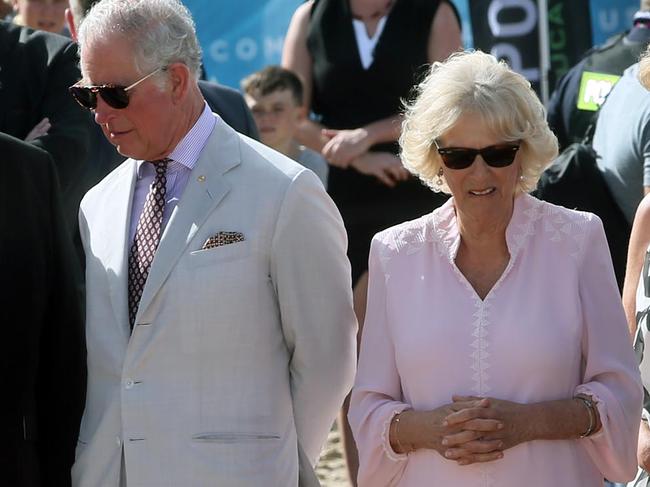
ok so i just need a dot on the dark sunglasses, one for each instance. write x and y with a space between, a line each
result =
115 96
500 155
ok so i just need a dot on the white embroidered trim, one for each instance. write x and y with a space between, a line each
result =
385 441
566 225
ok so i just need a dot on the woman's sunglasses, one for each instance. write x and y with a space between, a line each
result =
500 155
115 96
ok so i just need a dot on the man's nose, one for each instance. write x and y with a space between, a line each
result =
104 113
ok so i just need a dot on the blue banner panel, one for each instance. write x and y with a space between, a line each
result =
609 17
239 37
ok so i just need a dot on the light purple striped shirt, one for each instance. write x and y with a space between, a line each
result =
183 158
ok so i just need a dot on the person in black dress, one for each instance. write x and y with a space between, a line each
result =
358 59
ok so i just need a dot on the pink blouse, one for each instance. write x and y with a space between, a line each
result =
552 326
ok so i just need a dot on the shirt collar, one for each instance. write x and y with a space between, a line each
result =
525 212
188 150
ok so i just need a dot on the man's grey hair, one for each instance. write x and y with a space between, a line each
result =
161 31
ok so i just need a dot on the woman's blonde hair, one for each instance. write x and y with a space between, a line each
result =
473 82
644 69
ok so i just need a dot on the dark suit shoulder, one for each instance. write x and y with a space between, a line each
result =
210 88
230 105
20 157
36 42
26 168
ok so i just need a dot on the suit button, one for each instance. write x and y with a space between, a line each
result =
118 441
128 384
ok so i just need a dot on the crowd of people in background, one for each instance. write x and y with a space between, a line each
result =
191 270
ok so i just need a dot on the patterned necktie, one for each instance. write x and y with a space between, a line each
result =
147 237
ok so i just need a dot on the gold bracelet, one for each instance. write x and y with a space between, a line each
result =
396 418
589 404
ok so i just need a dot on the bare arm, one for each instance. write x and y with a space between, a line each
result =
445 37
296 57
643 452
639 241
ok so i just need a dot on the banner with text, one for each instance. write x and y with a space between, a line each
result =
508 30
569 31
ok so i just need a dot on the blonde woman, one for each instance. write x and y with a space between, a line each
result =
495 350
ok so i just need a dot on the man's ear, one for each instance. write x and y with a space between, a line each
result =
69 19
179 78
301 112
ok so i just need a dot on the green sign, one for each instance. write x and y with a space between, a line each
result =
594 88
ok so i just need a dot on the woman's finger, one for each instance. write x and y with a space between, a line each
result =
461 437
473 448
483 425
329 133
481 458
473 403
459 398
468 414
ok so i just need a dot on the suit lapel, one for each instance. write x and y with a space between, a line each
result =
205 189
117 231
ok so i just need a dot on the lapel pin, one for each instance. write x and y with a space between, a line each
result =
201 178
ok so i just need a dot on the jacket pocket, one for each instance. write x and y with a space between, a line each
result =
228 437
224 253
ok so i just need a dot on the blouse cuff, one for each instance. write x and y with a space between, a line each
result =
385 436
600 406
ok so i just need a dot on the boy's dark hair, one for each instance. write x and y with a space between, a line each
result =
80 9
272 79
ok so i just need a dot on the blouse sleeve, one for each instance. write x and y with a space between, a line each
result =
611 374
376 396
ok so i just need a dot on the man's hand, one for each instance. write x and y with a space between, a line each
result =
39 130
384 166
344 146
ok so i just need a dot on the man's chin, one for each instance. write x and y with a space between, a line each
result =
124 150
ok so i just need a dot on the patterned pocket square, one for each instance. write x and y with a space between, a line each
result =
222 238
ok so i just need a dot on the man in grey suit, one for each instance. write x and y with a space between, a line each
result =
219 320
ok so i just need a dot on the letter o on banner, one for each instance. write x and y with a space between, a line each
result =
513 29
246 49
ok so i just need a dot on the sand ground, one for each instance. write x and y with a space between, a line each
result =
331 469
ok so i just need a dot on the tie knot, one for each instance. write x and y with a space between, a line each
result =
161 165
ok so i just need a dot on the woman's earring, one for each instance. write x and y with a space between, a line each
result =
439 180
